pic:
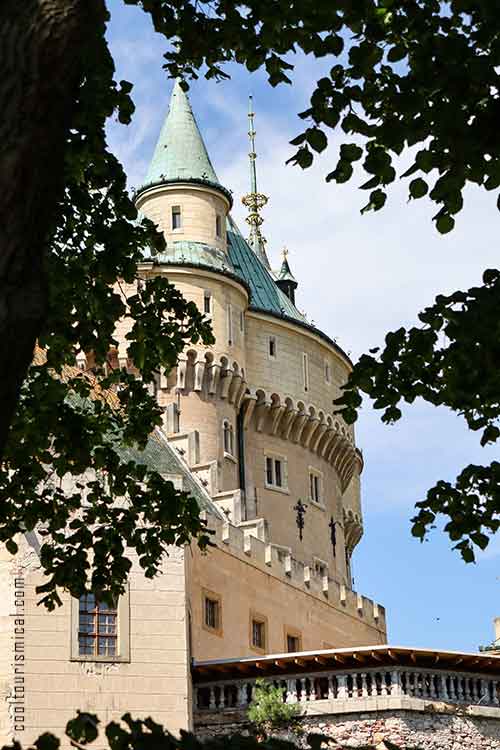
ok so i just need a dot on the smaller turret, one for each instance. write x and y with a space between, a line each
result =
285 278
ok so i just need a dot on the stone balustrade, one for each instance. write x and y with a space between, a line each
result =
354 690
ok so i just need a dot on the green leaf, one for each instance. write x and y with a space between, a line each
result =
396 53
316 139
418 188
445 223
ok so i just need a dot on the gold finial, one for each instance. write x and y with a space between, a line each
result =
254 201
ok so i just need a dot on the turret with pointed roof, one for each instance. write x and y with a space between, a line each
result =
180 154
285 278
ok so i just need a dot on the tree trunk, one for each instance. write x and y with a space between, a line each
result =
42 45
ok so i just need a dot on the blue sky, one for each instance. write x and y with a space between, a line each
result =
359 277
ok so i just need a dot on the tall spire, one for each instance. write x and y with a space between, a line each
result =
254 201
180 153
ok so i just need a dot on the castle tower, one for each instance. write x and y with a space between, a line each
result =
258 404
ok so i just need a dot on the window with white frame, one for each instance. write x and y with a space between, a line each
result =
176 217
228 437
276 476
328 372
305 371
272 347
315 486
100 631
207 302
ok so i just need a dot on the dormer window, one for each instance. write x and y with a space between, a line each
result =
218 225
176 217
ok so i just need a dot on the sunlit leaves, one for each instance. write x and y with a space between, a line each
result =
402 75
452 360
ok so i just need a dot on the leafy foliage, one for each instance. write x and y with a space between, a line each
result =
450 360
398 75
403 74
138 734
62 469
267 709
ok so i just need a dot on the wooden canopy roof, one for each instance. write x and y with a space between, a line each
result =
341 659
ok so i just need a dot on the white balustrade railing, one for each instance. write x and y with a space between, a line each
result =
353 685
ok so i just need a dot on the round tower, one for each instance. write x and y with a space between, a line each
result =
253 415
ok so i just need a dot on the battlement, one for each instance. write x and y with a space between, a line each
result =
315 580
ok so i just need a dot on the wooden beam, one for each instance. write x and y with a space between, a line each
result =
358 657
376 656
300 662
259 665
391 655
280 664
338 658
321 660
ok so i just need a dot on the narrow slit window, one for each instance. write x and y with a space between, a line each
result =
328 374
272 347
269 471
278 476
242 321
305 370
207 303
229 325
218 225
176 217
228 438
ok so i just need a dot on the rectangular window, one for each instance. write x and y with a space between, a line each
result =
276 472
272 347
305 370
218 225
242 321
315 487
269 471
328 374
212 612
97 627
229 325
292 643
259 634
207 303
278 479
176 217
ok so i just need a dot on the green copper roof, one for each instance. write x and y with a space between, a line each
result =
160 456
265 295
180 152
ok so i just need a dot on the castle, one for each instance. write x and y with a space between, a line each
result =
250 431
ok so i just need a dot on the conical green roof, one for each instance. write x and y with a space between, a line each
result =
285 273
180 153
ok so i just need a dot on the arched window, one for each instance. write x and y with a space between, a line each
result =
228 437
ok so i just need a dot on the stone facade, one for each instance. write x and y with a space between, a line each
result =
408 729
263 392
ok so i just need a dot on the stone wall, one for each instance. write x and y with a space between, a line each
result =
408 729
